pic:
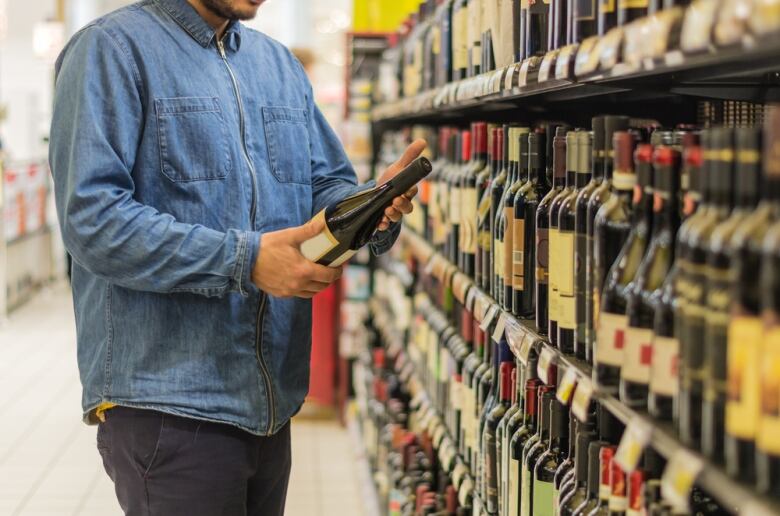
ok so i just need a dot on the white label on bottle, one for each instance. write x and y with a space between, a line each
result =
343 258
637 355
610 338
316 247
525 493
663 370
514 487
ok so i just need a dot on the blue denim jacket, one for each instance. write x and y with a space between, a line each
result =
172 153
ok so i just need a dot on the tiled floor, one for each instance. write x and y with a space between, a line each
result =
48 461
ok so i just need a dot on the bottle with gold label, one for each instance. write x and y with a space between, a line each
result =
745 331
607 16
646 289
630 10
475 27
566 244
449 197
559 16
502 440
718 162
720 285
542 227
525 209
463 155
585 19
555 255
524 432
520 147
460 55
469 198
484 238
612 321
497 187
604 161
505 216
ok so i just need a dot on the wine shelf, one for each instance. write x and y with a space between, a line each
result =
524 339
749 71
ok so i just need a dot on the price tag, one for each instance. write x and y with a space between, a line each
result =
498 333
610 48
586 62
563 63
449 271
459 473
697 27
417 397
546 364
429 266
580 403
481 304
489 316
433 422
635 438
514 335
498 80
678 478
438 435
754 507
674 58
567 385
460 285
449 456
547 66
464 491
470 297
525 70
509 79
525 348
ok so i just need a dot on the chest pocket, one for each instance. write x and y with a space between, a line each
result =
193 139
287 139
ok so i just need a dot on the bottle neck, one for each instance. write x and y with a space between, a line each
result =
581 462
559 426
582 178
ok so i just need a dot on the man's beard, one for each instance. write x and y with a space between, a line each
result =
225 9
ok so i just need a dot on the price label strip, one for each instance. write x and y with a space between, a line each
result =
459 473
514 335
464 491
545 366
580 402
509 80
547 67
678 478
563 63
567 386
525 348
635 438
498 333
489 316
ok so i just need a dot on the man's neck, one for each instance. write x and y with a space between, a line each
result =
218 23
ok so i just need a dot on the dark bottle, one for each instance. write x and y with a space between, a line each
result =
350 223
517 443
497 193
484 238
720 285
537 24
491 425
522 23
579 493
534 448
487 393
746 331
469 198
629 10
607 16
645 291
566 244
556 34
442 44
542 225
582 245
548 462
565 471
505 218
460 56
555 256
603 164
463 155
606 461
482 368
717 146
470 368
591 501
514 268
612 321
526 206
664 381
585 20
767 456
508 424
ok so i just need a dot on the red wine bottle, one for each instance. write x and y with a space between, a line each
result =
350 223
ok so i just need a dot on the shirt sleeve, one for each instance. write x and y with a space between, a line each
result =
333 177
97 123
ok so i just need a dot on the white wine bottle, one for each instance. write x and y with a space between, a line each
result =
350 223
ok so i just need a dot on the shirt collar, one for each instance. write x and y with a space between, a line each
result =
189 19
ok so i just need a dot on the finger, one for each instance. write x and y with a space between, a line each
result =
311 229
322 274
395 215
411 153
411 193
305 294
403 205
383 226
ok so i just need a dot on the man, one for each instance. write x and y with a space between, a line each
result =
188 156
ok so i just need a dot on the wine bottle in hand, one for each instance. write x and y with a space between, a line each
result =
350 223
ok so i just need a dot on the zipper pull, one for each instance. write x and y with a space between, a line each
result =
221 48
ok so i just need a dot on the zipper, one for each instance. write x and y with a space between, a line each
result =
259 321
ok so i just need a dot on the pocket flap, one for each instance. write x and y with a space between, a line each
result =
284 114
179 105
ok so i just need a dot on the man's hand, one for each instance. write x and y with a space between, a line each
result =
402 205
282 271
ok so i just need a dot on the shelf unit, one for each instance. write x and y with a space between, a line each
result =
525 339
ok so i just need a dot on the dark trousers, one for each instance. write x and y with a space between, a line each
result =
164 465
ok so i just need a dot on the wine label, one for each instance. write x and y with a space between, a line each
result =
543 498
436 40
508 260
637 355
316 247
567 313
518 254
744 385
460 58
607 6
469 199
455 204
610 338
554 274
542 256
632 4
514 487
525 491
456 396
664 366
498 257
585 10
769 423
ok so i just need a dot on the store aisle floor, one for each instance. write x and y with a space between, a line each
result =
48 461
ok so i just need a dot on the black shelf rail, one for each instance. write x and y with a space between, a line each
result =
524 339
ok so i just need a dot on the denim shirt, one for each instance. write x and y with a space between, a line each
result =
172 153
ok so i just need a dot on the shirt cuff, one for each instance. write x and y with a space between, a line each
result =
247 258
382 241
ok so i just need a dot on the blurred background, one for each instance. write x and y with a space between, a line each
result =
48 461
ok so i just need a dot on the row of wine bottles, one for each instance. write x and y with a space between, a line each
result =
450 40
650 253
526 451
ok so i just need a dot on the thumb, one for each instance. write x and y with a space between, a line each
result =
411 153
306 231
